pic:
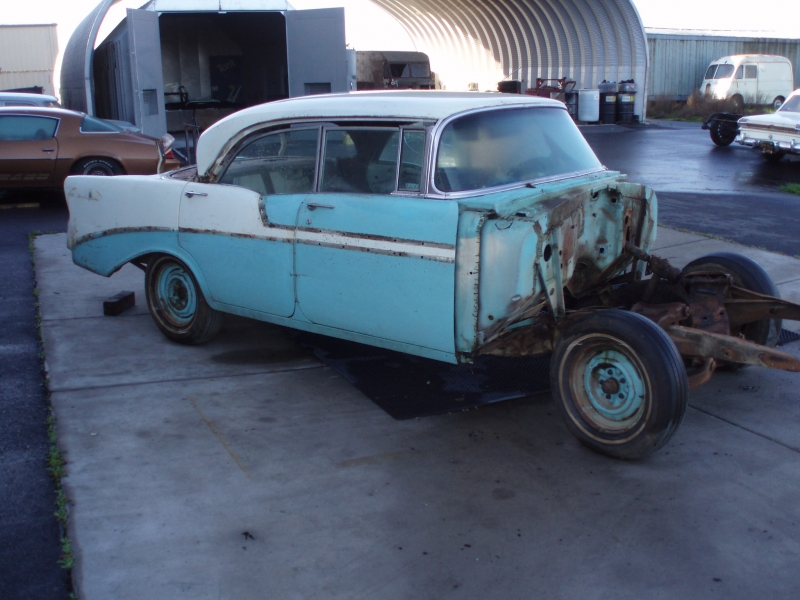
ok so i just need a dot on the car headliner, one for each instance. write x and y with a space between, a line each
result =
401 105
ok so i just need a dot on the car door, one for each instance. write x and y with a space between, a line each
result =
28 150
240 230
372 254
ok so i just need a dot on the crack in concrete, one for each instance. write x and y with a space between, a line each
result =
742 427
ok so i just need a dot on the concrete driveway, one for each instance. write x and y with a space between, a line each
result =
246 469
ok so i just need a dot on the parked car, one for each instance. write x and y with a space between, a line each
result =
39 147
26 99
442 225
749 78
775 135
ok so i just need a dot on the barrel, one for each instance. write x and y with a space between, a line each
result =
571 101
625 107
608 108
588 106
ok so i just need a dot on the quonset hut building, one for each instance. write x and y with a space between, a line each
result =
238 53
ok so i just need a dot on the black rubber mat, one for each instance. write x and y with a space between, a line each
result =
787 336
408 386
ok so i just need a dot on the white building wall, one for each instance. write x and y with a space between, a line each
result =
28 56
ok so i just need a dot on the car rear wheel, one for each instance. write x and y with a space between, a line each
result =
619 383
748 274
177 304
778 102
98 166
723 132
738 103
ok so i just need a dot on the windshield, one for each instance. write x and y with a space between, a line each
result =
501 147
791 105
722 72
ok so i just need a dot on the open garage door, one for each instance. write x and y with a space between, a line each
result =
315 45
146 73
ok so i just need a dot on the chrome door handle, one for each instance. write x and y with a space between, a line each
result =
314 206
192 194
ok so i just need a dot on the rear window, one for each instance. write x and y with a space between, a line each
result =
27 128
502 147
94 125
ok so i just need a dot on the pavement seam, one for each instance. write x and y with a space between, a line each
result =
56 390
761 435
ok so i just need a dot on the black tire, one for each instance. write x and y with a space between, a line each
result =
738 103
177 304
748 274
723 132
778 102
636 409
773 158
97 166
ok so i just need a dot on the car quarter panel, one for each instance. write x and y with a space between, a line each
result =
113 220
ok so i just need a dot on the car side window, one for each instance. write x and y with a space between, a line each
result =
282 162
739 72
750 71
27 128
412 155
360 160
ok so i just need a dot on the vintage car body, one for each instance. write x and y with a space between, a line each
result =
775 135
41 146
443 247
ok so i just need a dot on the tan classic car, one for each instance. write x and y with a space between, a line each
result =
40 147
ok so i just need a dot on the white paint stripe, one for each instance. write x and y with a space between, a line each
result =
337 239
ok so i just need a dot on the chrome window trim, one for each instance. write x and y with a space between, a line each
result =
435 193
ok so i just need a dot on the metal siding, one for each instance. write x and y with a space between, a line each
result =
28 55
679 61
484 41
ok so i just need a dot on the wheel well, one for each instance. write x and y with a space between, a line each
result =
74 168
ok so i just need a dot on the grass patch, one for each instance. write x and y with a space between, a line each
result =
54 462
791 188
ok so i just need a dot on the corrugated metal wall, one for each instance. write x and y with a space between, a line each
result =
484 41
678 61
28 56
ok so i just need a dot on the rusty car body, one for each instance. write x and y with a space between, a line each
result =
443 225
41 146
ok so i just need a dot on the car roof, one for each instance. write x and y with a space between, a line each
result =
40 110
400 105
24 96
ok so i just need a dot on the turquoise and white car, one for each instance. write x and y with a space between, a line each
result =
438 224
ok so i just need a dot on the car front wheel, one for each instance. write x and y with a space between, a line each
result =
619 383
177 304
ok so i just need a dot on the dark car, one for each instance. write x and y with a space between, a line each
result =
40 147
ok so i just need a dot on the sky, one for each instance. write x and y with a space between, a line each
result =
370 28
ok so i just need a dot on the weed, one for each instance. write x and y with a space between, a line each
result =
66 561
697 108
791 188
62 509
55 463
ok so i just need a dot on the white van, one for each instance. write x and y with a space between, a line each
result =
751 78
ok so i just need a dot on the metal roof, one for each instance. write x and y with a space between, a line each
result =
402 105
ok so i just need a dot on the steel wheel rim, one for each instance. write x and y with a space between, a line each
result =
610 386
98 170
176 295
